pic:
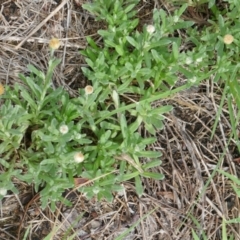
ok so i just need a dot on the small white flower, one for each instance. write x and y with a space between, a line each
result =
188 60
96 190
78 136
78 157
228 39
63 129
193 80
88 89
3 191
54 43
198 60
150 29
175 19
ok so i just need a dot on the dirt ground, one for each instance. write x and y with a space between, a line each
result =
189 156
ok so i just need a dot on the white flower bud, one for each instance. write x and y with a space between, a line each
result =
150 29
175 19
78 136
78 157
193 80
96 190
228 39
3 191
188 60
88 89
63 129
54 43
198 60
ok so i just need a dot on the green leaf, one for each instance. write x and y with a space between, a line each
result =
51 98
36 71
234 220
32 85
129 8
3 162
150 128
221 22
134 126
122 170
133 42
148 59
145 72
152 164
157 176
29 99
195 236
211 3
224 230
115 97
119 50
236 189
108 125
181 25
110 43
162 110
92 43
182 9
147 141
138 185
175 50
160 43
27 232
117 188
129 176
234 178
123 124
157 122
106 195
105 136
148 154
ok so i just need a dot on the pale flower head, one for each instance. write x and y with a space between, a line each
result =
228 39
78 157
96 190
189 60
63 129
198 60
88 89
175 19
150 29
193 80
54 43
78 136
3 191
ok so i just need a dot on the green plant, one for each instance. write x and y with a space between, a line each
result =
224 230
221 42
48 138
235 183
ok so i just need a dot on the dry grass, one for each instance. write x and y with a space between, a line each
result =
189 155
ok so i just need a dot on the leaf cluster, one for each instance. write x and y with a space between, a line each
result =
129 71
